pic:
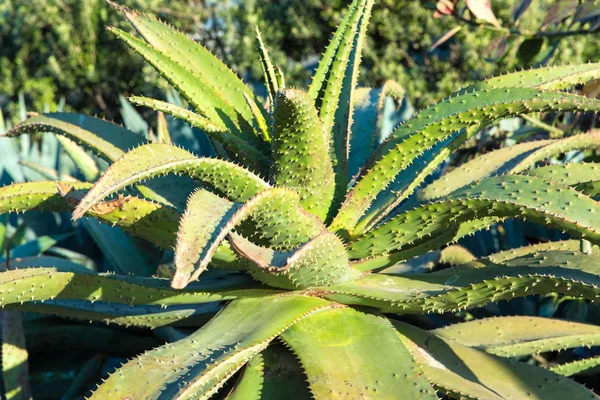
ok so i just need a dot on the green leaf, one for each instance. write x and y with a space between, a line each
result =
553 272
586 141
84 162
586 366
198 366
520 336
162 129
15 370
250 383
527 198
273 216
109 141
438 122
336 349
46 283
368 121
204 225
205 71
241 149
132 119
34 247
148 220
144 162
463 371
322 261
271 81
301 152
492 163
556 77
341 95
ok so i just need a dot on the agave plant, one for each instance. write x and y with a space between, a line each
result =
293 236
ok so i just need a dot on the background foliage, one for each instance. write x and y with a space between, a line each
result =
62 49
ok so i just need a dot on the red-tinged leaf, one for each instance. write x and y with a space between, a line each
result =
445 7
444 38
520 8
559 11
482 10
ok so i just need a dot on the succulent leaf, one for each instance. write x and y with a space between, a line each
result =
316 342
409 141
200 65
556 77
250 384
84 162
583 366
520 335
144 162
467 372
15 370
271 80
240 148
322 261
197 366
104 138
301 152
528 198
204 225
47 283
552 272
492 163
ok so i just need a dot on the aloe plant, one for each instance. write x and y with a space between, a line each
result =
293 237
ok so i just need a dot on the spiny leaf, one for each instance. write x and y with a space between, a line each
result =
520 335
585 366
192 86
528 198
552 272
250 383
556 77
127 315
271 80
409 141
202 228
15 370
317 86
142 218
274 218
339 94
241 149
564 245
426 244
199 365
46 283
162 129
205 66
104 138
461 371
586 141
492 163
157 159
84 162
322 261
301 152
340 344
